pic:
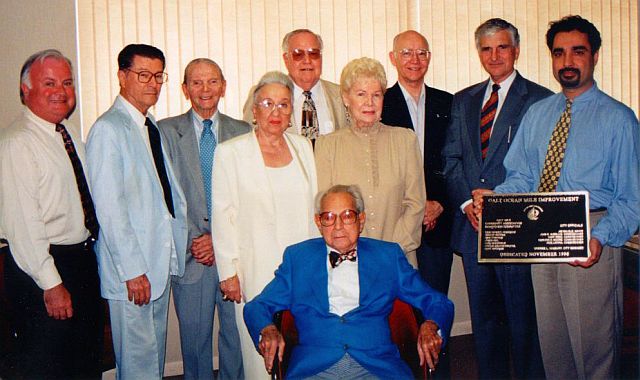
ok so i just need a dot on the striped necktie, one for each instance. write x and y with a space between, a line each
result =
487 115
555 152
208 145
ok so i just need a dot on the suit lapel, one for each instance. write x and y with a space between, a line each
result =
319 278
368 272
187 141
512 106
473 118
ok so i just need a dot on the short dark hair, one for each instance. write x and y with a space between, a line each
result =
125 58
571 23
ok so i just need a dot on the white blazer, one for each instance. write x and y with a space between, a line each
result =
244 221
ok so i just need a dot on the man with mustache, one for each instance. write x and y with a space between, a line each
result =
142 214
484 121
579 305
48 219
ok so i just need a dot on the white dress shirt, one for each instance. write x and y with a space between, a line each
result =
39 197
417 111
502 96
325 123
343 286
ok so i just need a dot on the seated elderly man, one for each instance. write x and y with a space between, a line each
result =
340 290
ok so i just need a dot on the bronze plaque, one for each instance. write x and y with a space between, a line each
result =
534 228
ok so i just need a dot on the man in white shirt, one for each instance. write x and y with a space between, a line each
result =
484 120
317 104
340 289
48 218
142 210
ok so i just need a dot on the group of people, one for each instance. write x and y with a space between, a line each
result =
357 184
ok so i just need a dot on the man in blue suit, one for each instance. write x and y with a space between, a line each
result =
340 291
484 120
142 215
191 140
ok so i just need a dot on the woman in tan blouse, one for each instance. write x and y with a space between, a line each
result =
383 161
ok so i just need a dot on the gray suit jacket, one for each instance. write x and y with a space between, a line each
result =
332 97
182 149
464 168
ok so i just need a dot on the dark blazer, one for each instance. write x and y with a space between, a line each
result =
464 168
438 109
182 149
300 285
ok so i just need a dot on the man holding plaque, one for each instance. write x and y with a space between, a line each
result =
484 121
580 139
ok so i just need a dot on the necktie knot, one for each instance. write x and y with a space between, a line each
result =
569 103
307 94
207 123
336 258
495 87
60 128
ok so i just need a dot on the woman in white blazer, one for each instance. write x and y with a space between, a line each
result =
263 188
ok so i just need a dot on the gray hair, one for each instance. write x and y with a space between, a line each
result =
287 37
25 72
273 77
353 190
493 25
201 60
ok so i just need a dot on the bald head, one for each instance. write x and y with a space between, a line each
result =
411 57
408 35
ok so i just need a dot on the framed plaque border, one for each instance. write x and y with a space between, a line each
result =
538 259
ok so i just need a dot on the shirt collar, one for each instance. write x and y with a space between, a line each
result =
505 84
585 96
135 114
50 128
409 98
316 91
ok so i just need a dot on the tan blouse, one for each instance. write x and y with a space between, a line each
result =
386 164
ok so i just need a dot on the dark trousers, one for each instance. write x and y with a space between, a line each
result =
503 318
434 265
47 348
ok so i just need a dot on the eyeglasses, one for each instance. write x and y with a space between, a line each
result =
145 76
270 105
407 54
328 219
312 53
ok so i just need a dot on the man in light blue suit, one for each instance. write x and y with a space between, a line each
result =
340 291
190 140
142 215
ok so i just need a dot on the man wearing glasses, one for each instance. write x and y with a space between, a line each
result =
340 299
317 103
484 121
142 214
410 103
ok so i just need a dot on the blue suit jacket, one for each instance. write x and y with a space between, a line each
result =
464 168
137 233
300 285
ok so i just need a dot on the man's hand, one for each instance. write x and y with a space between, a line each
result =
471 216
432 210
57 300
139 290
271 342
202 250
596 249
231 289
429 344
478 201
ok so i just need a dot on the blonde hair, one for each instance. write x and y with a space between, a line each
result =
362 68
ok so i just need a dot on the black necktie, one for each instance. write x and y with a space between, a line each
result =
90 220
336 258
158 159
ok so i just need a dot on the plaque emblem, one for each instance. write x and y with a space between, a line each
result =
533 212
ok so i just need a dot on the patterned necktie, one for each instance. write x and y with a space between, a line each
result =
487 115
336 258
208 145
309 117
90 220
158 159
555 152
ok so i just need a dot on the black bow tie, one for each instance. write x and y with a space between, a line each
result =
335 258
